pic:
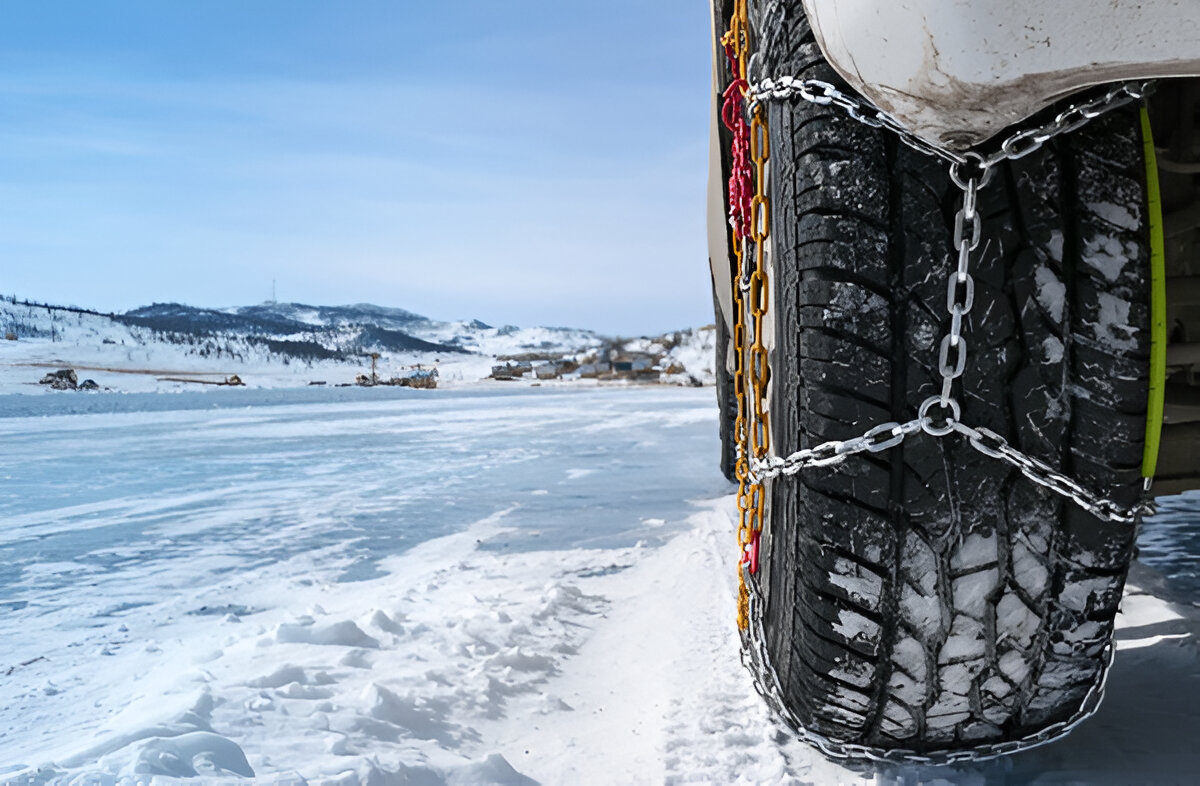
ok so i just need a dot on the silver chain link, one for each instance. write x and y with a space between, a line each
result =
1017 145
970 172
888 435
989 443
1075 116
821 93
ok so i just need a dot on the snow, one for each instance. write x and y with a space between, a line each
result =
861 586
1051 292
369 590
973 552
128 358
189 755
854 626
1015 616
1053 349
966 641
1117 214
1113 325
131 358
970 592
1108 255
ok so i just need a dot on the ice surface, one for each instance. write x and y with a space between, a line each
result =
1170 541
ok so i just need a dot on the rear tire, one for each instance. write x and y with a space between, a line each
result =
929 597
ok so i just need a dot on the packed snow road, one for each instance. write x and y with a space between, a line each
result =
500 586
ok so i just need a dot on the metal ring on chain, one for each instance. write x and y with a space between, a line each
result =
961 174
928 424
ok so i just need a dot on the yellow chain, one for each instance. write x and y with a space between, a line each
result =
752 428
760 370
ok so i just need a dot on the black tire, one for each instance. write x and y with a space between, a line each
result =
929 597
726 397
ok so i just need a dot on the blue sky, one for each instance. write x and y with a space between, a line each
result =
522 162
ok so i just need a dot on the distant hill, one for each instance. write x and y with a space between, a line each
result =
337 330
297 330
279 344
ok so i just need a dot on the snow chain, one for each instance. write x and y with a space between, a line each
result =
938 416
749 221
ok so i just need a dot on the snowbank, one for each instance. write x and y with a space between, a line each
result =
467 665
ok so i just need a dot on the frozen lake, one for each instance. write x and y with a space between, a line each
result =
267 475
464 586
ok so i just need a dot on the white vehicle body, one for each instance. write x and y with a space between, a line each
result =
956 72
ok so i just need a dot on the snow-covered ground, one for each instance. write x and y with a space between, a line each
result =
135 358
473 586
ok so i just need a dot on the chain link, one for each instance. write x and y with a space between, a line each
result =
960 289
989 443
1017 145
749 222
1075 116
822 93
875 440
970 172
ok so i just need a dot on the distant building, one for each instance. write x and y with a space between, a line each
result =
594 370
511 370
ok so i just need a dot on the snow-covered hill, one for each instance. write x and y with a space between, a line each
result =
360 327
292 344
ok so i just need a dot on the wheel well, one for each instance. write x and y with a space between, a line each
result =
1175 119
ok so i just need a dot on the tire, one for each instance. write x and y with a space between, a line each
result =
726 397
930 598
